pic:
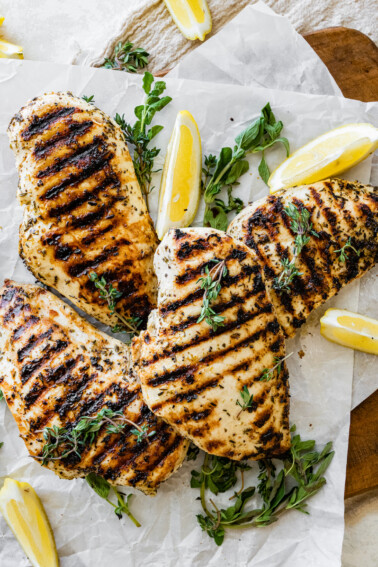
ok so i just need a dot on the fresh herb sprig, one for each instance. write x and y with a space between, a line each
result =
192 453
246 400
302 227
1 395
103 489
268 373
343 251
139 136
112 295
225 170
126 57
88 98
300 477
211 284
60 442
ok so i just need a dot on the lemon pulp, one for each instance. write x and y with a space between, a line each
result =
192 17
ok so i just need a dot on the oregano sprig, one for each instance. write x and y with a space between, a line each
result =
211 284
225 170
139 136
126 57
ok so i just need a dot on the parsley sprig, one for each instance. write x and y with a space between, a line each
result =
268 373
302 227
300 477
112 295
139 136
61 442
225 170
343 251
104 489
211 284
126 57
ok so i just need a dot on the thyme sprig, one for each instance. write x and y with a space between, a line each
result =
211 284
126 57
104 489
138 136
300 477
225 170
60 442
246 400
302 227
268 373
344 254
112 295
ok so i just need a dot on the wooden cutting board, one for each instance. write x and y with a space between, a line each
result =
352 59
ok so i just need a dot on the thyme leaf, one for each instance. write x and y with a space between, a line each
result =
302 227
246 400
139 136
225 170
343 253
268 373
103 489
211 284
300 477
126 57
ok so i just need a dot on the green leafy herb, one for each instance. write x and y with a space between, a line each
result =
343 253
225 170
60 442
301 226
1 395
211 284
88 98
192 453
127 58
300 477
103 489
268 373
112 295
246 400
139 136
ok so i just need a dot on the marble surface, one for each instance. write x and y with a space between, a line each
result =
81 32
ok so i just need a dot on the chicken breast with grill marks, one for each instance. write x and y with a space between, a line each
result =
83 208
56 368
193 376
341 213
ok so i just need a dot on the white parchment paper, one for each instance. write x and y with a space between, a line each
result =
87 532
261 48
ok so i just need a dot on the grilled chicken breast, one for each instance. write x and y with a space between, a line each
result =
193 376
56 368
84 210
341 213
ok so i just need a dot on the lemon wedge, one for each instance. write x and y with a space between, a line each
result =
326 156
1 20
180 184
24 513
10 50
350 330
192 17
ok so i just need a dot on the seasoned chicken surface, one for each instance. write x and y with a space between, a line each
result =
56 368
341 213
193 376
83 209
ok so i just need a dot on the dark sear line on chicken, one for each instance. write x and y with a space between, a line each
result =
192 375
84 210
339 210
55 368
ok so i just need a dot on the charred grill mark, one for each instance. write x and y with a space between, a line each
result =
188 395
92 237
110 180
13 312
17 333
80 158
194 273
242 318
89 218
29 369
77 270
32 343
196 415
7 296
77 387
94 405
66 138
187 248
41 123
91 166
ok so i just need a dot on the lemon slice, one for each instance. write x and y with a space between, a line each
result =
192 17
10 50
326 156
24 513
350 330
1 20
180 184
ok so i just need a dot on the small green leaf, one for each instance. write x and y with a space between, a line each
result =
148 79
264 170
98 484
